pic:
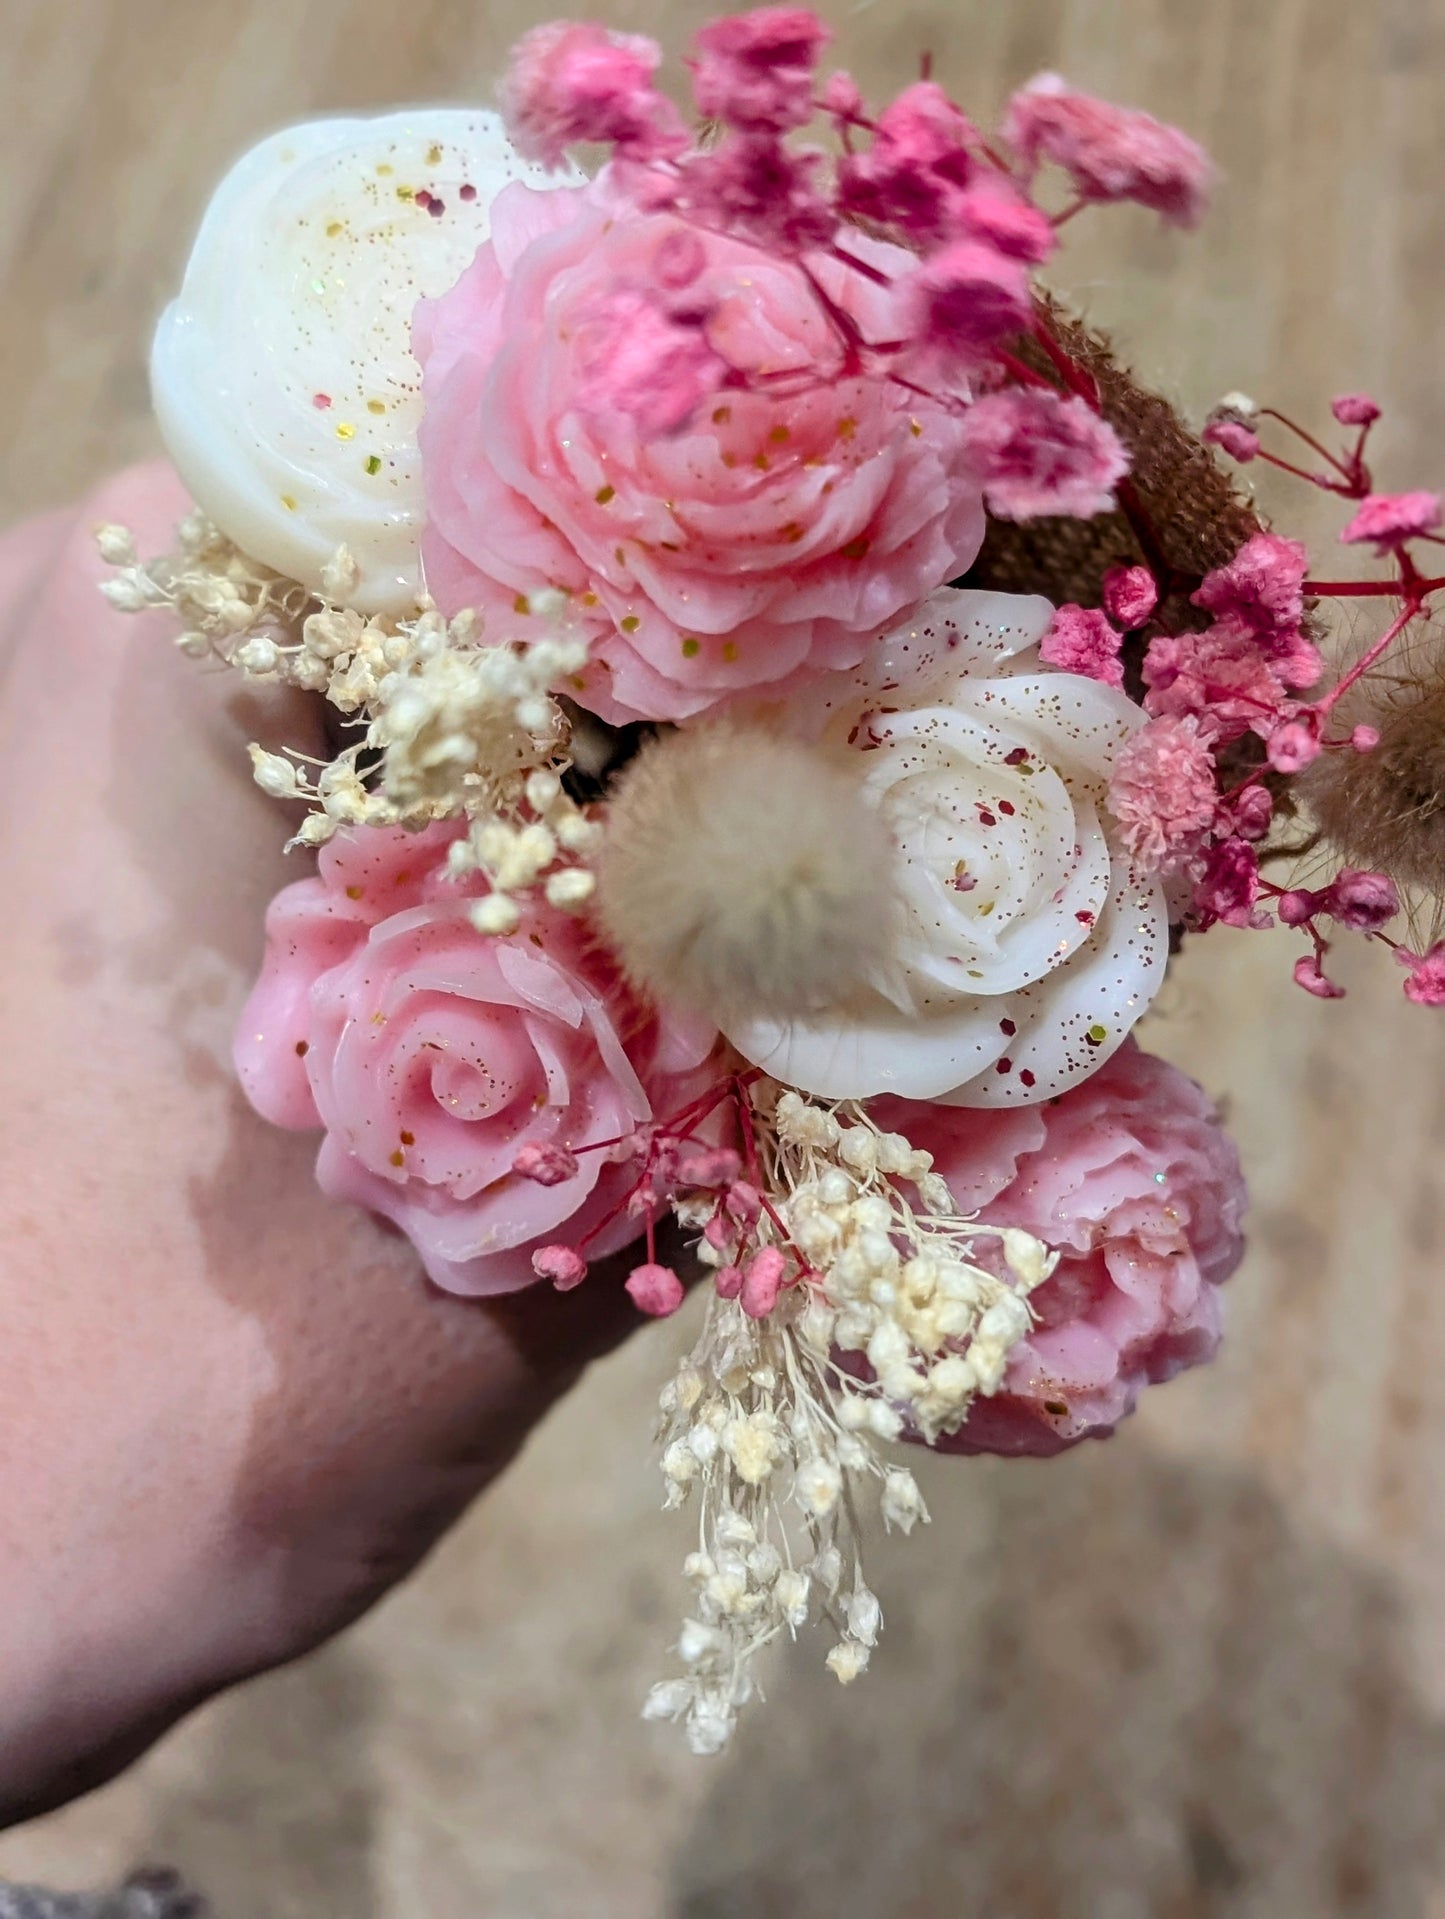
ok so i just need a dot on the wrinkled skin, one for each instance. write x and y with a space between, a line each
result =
233 1413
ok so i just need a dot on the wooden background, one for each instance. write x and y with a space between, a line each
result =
1198 1671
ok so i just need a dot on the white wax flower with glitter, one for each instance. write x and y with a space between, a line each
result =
1027 944
282 374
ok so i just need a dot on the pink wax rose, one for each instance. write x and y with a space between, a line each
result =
716 541
1131 1177
434 1055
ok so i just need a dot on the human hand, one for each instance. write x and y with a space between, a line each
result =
233 1413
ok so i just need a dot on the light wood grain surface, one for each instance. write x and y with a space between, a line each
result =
1199 1671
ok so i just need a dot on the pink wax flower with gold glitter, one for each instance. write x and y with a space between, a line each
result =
715 535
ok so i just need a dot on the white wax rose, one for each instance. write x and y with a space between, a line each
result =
1027 944
282 374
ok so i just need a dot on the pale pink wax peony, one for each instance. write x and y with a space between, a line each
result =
1132 1178
766 538
433 1055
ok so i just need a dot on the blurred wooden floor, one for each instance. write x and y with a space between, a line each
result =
1197 1672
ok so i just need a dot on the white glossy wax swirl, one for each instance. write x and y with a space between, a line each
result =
282 375
1028 945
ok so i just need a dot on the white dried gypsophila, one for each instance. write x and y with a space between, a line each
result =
778 1439
452 728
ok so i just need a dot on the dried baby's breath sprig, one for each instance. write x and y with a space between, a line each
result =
445 726
840 1315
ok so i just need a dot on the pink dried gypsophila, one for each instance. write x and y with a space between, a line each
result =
1355 409
842 97
1220 676
1081 640
563 1265
1035 453
1392 519
913 176
1162 793
1309 974
1245 816
572 81
1363 901
995 212
1229 887
961 302
1240 442
1291 747
755 70
1131 594
1426 984
758 190
655 1290
1109 152
640 360
1262 590
546 1163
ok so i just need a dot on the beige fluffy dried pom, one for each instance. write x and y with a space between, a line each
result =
1385 809
742 872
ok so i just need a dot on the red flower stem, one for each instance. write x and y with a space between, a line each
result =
1075 206
1024 374
745 1127
865 267
651 1239
1271 413
1074 377
1367 660
1303 473
1369 589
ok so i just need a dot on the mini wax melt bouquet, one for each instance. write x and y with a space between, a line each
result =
790 690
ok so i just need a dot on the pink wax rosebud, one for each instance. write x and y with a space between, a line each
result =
762 1281
545 1162
655 1290
1131 594
561 1264
1130 1176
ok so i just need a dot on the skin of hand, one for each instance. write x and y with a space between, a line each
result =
232 1413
